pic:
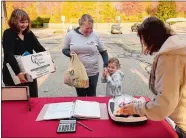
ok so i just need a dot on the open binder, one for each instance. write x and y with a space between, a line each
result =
77 109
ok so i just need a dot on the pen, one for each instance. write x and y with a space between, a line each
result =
29 108
29 105
84 126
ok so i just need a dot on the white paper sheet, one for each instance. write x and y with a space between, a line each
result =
87 109
59 111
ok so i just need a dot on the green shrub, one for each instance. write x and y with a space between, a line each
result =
46 20
38 23
166 10
55 18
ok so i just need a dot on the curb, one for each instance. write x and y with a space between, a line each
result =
45 33
127 48
43 36
49 37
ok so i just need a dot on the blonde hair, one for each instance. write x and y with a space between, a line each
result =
114 60
85 18
17 15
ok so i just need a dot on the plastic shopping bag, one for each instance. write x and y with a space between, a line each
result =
76 75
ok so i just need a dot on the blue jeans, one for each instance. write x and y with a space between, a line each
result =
91 90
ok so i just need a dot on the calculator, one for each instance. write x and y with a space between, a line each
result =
66 126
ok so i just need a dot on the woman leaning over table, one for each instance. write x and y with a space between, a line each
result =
168 75
86 44
16 41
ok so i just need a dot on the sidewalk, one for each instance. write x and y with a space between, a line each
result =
46 32
132 46
129 46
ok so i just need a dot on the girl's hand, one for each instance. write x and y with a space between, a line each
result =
105 69
106 73
21 77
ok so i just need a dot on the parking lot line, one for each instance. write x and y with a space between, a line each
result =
41 80
144 79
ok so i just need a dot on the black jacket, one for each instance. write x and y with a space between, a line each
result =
13 45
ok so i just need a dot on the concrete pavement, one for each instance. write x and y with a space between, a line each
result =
132 46
47 32
135 66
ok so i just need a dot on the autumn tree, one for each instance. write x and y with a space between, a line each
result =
55 12
150 9
73 11
45 9
90 8
130 8
29 7
166 10
181 8
107 12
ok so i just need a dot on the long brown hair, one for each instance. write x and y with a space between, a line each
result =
154 33
17 15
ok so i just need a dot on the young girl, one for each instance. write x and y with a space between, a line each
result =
113 77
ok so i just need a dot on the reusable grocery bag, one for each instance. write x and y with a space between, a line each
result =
76 75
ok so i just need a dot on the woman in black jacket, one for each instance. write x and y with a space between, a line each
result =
16 41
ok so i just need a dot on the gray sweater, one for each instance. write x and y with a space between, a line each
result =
114 83
87 48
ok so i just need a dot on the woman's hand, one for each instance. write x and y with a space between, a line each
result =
21 77
128 109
